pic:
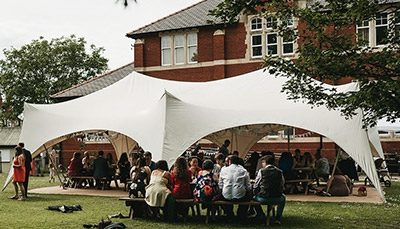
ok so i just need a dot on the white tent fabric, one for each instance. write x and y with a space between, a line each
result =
166 117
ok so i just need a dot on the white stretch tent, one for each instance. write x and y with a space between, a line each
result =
166 117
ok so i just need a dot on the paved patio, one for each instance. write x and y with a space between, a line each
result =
373 196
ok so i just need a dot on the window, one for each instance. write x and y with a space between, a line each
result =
272 44
381 29
184 49
397 23
192 48
363 32
256 44
271 23
376 32
256 24
179 47
265 40
166 53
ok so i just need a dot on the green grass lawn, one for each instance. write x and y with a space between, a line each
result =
33 214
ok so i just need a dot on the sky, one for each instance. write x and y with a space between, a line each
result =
103 23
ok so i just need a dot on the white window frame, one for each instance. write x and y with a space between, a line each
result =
166 48
179 47
251 24
173 48
268 27
272 44
363 26
189 61
381 26
256 46
372 26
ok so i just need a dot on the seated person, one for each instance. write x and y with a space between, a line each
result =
75 165
158 192
149 161
180 183
124 166
269 188
339 184
140 176
206 183
308 161
234 181
180 180
286 164
219 163
321 166
194 167
100 168
297 159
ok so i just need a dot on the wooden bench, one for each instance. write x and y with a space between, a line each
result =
130 202
270 207
74 181
304 182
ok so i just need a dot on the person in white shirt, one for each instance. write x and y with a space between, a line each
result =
234 181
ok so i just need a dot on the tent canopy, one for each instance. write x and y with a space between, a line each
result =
166 117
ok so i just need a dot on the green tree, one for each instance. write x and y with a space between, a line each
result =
329 50
41 68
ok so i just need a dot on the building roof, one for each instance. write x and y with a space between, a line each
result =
9 136
193 16
95 83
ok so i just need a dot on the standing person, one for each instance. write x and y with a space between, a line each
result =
19 173
28 160
224 148
52 166
100 168
269 187
149 162
234 181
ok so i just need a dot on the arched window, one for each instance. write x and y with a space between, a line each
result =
256 24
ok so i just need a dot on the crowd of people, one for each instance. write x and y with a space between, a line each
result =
223 178
259 177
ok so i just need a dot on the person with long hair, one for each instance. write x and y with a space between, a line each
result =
180 179
158 192
75 165
124 167
19 173
180 183
140 176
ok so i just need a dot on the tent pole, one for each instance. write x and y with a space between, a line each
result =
333 171
288 138
127 146
53 162
321 145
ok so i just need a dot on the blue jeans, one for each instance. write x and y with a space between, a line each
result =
279 201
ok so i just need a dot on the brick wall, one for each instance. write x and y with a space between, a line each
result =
68 147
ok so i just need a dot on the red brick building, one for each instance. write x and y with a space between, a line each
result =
185 46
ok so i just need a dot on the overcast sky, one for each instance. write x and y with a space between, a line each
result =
103 23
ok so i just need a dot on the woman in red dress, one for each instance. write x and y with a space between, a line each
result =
19 173
180 180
